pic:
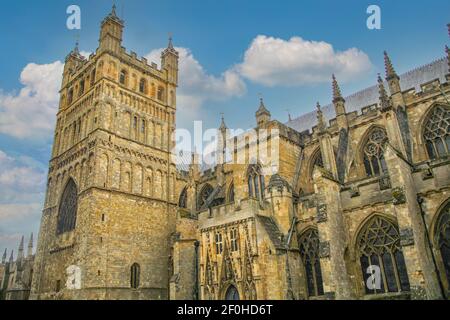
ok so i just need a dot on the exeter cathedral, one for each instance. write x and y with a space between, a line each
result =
358 207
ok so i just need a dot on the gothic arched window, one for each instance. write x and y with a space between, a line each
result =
255 182
231 193
81 90
379 246
309 251
123 77
135 276
204 195
92 77
316 161
373 152
182 203
70 96
67 214
443 238
143 126
437 132
232 293
160 93
142 86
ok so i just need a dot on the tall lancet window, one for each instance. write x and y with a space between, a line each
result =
316 160
256 184
373 152
135 277
309 251
68 206
182 203
442 233
437 132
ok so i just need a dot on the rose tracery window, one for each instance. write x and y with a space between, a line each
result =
309 251
373 153
67 214
437 132
379 245
443 238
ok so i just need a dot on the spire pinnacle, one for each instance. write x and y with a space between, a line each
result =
320 118
4 257
30 245
262 114
113 11
223 126
170 48
262 108
170 45
21 243
76 50
20 251
337 95
390 71
11 257
384 99
113 15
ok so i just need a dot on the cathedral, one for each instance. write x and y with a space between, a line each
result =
16 275
357 208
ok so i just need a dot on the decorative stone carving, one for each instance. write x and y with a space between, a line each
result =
406 237
324 249
398 195
354 191
385 183
427 173
322 213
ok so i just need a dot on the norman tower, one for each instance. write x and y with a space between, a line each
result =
110 205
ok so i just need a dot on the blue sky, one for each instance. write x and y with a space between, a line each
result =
232 48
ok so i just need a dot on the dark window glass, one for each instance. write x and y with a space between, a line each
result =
379 239
437 132
67 214
390 272
443 238
135 276
373 152
309 252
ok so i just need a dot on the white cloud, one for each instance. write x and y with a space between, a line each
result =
86 54
18 211
196 86
30 113
21 186
277 62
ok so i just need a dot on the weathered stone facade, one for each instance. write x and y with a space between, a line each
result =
16 275
112 143
360 190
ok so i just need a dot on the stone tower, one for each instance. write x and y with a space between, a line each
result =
110 206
